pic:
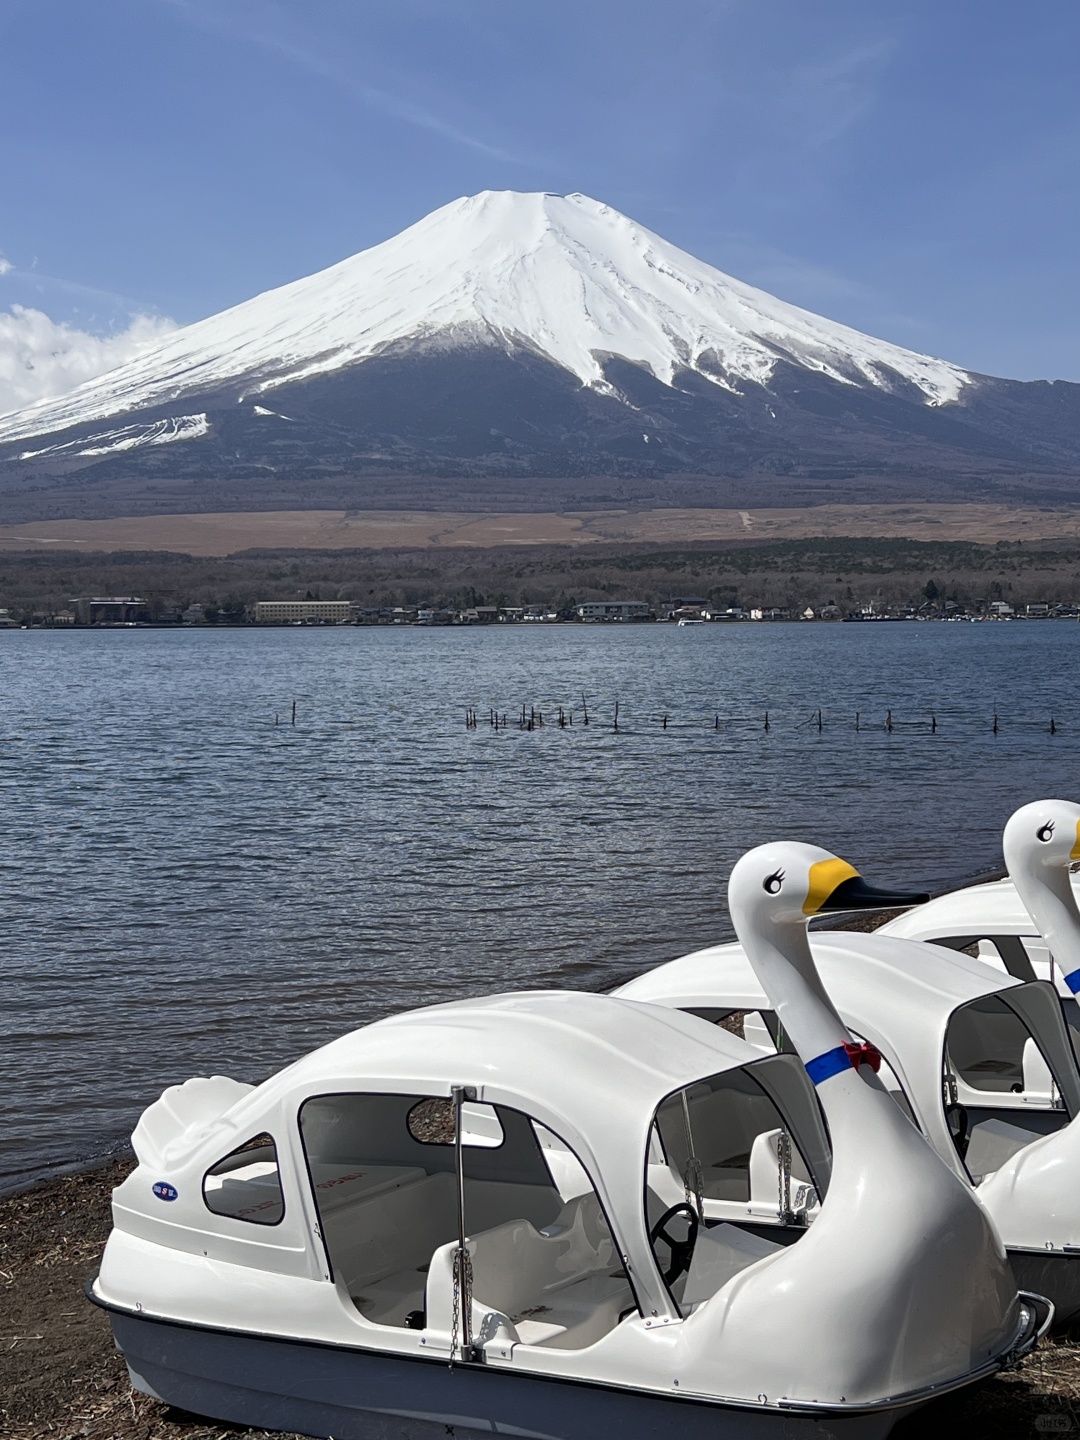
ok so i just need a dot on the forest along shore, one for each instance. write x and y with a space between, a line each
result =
60 1376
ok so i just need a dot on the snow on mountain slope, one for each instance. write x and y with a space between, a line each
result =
561 275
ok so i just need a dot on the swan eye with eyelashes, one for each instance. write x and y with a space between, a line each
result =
771 885
1045 832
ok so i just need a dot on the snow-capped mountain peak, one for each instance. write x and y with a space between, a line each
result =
564 276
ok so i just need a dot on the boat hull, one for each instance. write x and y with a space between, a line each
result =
1056 1276
323 1390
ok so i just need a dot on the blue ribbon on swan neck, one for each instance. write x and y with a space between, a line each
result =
824 1067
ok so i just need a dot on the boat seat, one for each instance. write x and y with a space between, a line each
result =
338 1185
576 1314
388 1301
725 1182
561 1286
994 1141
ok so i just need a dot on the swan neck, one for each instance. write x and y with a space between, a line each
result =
781 958
1047 894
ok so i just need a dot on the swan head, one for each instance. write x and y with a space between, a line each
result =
1044 835
786 883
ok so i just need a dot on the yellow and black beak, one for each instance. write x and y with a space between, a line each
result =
1074 853
836 885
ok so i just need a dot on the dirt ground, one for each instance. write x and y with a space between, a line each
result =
218 534
61 1378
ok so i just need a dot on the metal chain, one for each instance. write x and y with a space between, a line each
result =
783 1148
693 1175
694 1185
456 1315
462 1301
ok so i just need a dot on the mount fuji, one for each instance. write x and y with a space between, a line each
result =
532 351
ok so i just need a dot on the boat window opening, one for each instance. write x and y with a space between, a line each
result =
432 1122
761 1029
891 1081
1004 952
246 1183
562 1285
1009 1075
1071 1011
543 1262
730 1020
756 1139
568 1174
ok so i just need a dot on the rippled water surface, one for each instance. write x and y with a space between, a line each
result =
189 887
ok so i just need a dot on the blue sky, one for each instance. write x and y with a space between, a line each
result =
909 168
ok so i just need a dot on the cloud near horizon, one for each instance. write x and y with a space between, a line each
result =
41 357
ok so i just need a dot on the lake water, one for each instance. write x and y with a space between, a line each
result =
189 888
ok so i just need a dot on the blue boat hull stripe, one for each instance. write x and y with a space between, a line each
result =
1073 981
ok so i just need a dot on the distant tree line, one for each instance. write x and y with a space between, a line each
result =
788 574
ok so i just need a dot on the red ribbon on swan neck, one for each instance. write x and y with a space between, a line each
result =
861 1052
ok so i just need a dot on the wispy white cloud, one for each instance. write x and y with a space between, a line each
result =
276 30
830 95
40 358
6 266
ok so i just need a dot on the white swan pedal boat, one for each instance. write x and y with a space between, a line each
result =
1027 924
472 1218
980 1060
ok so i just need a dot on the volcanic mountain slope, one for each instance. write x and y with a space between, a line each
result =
530 350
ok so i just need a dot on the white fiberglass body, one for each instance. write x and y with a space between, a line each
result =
1029 923
978 1058
289 1255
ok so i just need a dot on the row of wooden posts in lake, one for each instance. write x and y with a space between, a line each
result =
530 718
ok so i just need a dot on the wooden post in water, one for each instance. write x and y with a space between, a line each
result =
933 723
665 722
294 712
995 722
584 707
819 721
767 725
616 717
1053 726
856 721
888 722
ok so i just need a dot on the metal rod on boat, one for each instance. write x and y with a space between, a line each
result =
463 1288
693 1178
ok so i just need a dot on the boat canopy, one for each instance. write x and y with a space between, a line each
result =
899 996
592 1070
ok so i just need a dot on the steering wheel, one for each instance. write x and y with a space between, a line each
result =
681 1250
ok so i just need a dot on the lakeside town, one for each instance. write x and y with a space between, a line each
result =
127 611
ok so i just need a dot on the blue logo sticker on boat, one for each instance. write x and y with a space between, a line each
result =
164 1191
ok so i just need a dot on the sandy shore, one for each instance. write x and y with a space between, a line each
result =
61 1378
